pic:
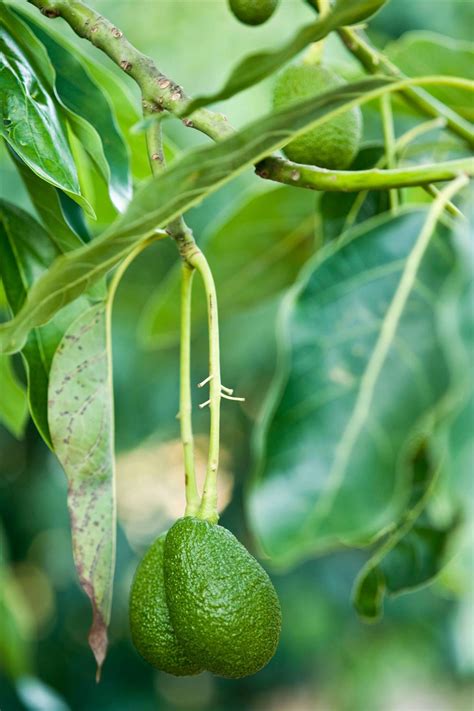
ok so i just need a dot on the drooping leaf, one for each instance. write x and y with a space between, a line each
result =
411 555
184 184
422 53
84 98
257 66
81 423
30 121
362 366
13 402
254 253
26 252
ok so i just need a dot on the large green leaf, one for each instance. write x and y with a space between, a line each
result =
30 122
422 53
362 368
255 252
454 444
257 66
185 183
81 422
13 402
80 93
26 252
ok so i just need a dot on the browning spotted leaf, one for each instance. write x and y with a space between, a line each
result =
81 425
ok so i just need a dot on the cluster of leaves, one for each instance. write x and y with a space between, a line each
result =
365 414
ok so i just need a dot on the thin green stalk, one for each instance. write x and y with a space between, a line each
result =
185 398
208 508
181 234
375 62
389 140
401 143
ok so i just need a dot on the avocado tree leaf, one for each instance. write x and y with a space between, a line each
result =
412 554
46 200
335 207
362 368
13 402
257 66
81 423
16 640
255 253
454 444
407 561
26 252
421 53
184 184
88 107
30 121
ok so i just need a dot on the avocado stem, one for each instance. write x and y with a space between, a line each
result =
185 397
208 507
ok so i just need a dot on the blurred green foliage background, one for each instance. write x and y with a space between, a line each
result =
419 657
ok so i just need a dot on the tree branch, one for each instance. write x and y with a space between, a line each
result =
158 91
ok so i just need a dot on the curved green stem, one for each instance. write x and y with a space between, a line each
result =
208 508
315 178
185 398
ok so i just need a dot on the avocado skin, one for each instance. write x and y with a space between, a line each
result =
332 145
253 12
222 604
150 624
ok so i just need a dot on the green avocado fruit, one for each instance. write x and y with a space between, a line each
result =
150 624
332 145
222 604
253 12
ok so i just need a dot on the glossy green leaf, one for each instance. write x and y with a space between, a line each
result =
26 252
256 67
30 122
422 53
84 98
13 402
46 200
184 184
255 252
362 367
81 423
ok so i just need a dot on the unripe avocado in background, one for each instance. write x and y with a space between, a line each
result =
150 625
222 604
331 145
253 12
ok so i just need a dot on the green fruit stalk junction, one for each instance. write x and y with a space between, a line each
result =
199 600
